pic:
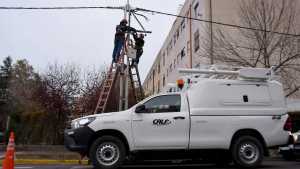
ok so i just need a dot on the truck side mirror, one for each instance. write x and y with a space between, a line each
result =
140 109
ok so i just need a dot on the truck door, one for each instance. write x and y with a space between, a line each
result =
162 124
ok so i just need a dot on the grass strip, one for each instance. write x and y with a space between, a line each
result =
46 161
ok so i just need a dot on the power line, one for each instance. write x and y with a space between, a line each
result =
214 22
150 11
59 8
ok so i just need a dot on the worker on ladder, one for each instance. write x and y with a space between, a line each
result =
121 29
139 44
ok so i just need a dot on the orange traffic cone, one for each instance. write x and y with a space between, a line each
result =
8 162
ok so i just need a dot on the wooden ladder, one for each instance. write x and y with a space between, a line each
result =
106 89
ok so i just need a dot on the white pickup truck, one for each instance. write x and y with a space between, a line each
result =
222 119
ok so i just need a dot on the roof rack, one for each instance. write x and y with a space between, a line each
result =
227 72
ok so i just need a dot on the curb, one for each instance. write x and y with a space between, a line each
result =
45 161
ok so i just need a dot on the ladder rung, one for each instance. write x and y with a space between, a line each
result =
104 92
102 101
104 95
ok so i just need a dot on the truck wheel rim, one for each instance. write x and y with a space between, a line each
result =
249 153
108 154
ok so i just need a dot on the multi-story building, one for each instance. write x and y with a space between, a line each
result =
183 46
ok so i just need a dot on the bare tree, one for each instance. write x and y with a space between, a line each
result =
57 94
256 48
91 84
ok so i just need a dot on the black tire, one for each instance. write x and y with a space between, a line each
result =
247 152
107 152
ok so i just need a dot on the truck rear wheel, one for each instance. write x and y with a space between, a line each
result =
247 152
107 152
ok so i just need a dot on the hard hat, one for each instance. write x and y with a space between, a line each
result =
124 21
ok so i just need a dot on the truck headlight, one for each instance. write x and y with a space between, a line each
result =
83 122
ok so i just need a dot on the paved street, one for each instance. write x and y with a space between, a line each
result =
267 165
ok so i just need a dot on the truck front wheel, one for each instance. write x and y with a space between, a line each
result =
107 152
247 152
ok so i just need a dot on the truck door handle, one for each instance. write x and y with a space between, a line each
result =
138 120
179 118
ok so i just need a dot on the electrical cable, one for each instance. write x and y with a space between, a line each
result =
214 22
149 11
59 8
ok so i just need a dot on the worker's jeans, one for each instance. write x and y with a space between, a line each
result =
139 53
117 49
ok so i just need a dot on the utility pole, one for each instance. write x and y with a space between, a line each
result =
125 74
123 102
128 66
211 34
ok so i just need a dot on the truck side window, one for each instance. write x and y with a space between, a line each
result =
164 104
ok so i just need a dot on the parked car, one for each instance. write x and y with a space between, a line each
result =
292 150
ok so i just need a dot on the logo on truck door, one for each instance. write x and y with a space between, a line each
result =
161 122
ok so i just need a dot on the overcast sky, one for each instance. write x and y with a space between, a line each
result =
84 37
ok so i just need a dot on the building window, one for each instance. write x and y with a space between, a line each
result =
158 86
182 52
196 41
169 48
158 68
298 46
171 67
174 63
164 59
196 8
174 37
178 56
178 33
153 80
182 24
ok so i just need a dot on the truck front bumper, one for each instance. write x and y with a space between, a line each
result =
78 140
